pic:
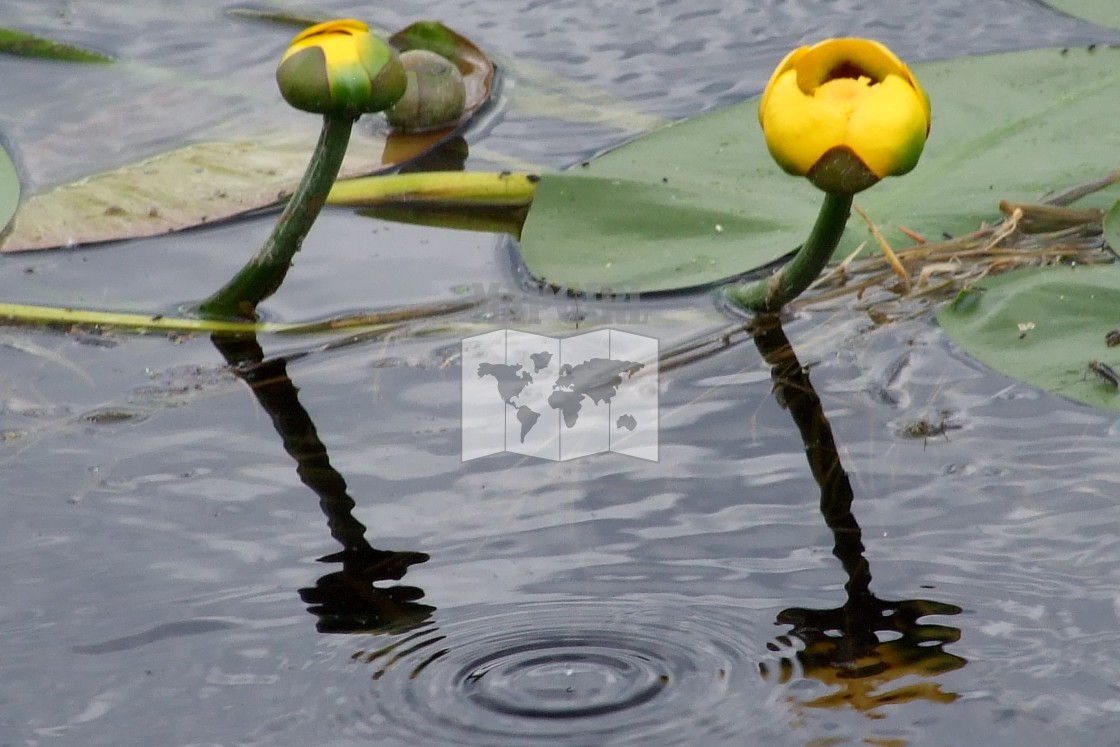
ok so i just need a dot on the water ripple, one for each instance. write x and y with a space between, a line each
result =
575 673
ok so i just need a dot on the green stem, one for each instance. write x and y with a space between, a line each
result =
770 294
264 273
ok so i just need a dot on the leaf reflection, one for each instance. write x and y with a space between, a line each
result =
346 600
867 643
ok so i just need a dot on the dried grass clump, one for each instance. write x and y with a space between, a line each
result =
901 283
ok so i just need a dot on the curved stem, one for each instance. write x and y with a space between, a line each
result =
770 294
264 273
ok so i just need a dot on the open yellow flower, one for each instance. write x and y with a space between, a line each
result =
845 113
340 68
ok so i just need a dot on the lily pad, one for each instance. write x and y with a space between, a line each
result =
9 189
702 201
1043 326
207 182
1103 12
28 45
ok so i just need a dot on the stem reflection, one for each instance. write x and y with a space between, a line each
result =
347 600
867 643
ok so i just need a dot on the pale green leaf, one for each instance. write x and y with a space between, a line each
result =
1043 326
190 186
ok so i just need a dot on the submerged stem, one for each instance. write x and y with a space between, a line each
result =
263 274
770 294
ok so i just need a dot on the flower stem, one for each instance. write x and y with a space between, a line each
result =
770 294
262 275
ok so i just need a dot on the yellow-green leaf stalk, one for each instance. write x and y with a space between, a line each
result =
843 113
340 70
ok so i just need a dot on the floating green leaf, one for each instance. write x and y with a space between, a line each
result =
702 201
1104 12
190 186
600 232
26 45
1043 326
207 182
9 189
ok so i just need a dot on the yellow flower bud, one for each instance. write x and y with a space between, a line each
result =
845 113
340 68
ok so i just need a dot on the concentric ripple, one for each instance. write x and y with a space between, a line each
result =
564 676
570 673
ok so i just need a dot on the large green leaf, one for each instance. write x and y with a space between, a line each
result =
701 201
9 189
1104 12
1043 326
208 182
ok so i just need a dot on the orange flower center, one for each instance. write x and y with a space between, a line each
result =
845 92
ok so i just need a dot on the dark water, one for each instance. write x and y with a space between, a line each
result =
291 552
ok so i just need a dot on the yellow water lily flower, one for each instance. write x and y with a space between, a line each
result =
845 113
340 68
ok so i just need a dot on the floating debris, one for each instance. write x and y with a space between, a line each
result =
904 283
1105 373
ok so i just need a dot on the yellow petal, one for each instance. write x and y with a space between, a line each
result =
923 97
306 37
799 129
850 58
787 63
887 130
843 99
847 58
340 49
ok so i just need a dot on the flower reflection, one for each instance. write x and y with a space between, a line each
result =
866 644
347 600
